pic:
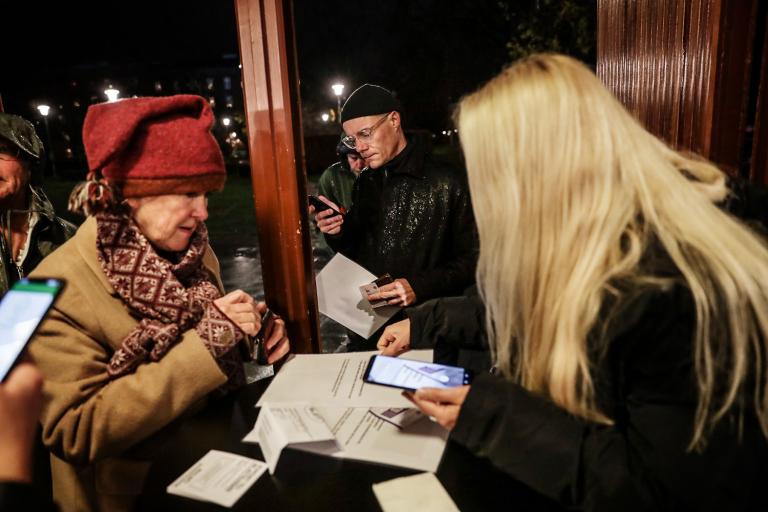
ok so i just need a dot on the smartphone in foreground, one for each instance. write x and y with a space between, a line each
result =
21 311
320 206
408 374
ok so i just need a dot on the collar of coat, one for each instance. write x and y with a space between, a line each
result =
86 246
409 161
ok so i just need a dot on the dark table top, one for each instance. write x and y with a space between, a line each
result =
305 481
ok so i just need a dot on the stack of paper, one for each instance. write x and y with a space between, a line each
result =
319 403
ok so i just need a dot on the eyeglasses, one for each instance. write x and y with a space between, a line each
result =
9 151
363 135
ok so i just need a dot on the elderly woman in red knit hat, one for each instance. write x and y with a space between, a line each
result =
142 331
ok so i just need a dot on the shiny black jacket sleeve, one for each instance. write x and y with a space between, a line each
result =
459 272
640 462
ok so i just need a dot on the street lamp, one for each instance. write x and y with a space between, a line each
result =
44 111
111 94
325 117
226 121
338 90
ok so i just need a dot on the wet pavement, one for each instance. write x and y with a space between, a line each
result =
241 268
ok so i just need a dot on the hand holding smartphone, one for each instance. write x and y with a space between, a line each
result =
321 206
260 354
21 312
411 375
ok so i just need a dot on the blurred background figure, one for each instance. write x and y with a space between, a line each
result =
337 181
30 228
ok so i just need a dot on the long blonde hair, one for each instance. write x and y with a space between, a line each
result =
568 191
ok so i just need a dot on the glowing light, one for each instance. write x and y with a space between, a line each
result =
112 94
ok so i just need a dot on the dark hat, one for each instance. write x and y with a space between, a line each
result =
22 134
369 100
341 148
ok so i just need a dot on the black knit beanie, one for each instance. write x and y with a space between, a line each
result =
369 100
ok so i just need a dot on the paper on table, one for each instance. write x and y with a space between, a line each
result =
338 296
219 477
362 435
333 379
422 492
292 424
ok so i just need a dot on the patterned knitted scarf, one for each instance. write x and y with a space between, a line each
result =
170 298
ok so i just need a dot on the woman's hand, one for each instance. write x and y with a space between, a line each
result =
20 404
443 405
396 339
328 222
241 309
276 339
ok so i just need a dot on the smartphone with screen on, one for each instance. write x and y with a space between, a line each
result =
411 375
320 206
22 309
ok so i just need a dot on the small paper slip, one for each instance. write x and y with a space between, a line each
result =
339 297
422 492
292 424
219 477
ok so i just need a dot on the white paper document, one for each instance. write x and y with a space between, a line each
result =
281 425
219 477
395 437
422 492
333 379
362 435
338 295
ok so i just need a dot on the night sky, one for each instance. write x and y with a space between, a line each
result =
429 52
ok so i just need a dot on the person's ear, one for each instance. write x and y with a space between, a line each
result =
132 202
395 117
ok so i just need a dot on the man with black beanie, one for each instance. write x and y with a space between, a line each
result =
411 215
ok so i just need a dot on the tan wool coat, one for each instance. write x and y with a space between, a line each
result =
102 432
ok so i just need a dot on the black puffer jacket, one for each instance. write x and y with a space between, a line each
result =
413 219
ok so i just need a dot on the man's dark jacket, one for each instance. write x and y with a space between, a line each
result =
412 218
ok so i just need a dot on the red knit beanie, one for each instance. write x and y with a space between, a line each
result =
148 147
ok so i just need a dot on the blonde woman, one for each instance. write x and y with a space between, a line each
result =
627 314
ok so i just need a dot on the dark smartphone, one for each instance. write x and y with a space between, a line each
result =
21 311
259 341
321 206
397 372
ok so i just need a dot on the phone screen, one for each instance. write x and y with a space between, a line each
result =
412 375
21 310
